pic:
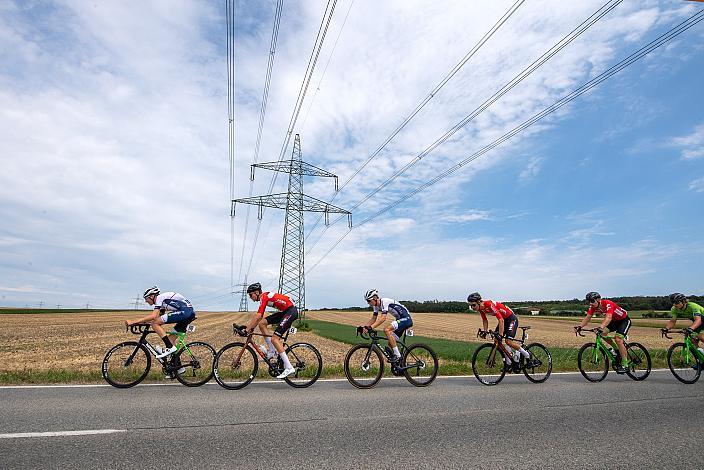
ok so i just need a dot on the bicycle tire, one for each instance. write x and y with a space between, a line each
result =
199 368
234 376
597 362
637 370
482 362
540 353
137 375
372 360
302 362
681 366
425 359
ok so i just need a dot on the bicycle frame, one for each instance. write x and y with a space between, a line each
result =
374 337
691 349
145 330
499 344
237 330
599 341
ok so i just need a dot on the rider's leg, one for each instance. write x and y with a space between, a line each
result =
621 348
156 325
390 331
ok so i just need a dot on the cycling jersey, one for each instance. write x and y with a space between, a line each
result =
276 300
690 311
607 307
396 309
497 309
171 302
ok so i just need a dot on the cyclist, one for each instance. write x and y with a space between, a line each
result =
285 316
508 323
402 319
169 307
682 307
615 320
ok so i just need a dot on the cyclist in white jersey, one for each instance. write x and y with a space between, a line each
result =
402 318
169 307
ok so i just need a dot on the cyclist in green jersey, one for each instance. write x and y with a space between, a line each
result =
683 308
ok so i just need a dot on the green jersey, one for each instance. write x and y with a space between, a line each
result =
690 311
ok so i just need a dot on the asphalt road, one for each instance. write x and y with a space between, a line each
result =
455 423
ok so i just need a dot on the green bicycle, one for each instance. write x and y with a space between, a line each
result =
128 363
684 359
593 358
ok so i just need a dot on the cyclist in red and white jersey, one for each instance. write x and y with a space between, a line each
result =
285 316
615 320
508 322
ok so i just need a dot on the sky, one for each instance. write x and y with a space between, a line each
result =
115 168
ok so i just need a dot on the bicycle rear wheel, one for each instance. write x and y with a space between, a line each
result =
308 364
488 364
126 364
196 361
683 363
364 365
235 366
638 362
592 362
424 364
540 366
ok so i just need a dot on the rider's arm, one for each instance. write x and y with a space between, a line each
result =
500 326
379 320
697 322
151 317
607 320
585 320
256 318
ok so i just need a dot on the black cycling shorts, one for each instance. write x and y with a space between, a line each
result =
284 319
619 326
510 326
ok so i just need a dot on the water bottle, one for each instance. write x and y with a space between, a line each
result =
263 349
158 350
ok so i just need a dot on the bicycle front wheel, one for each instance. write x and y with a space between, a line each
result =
538 366
592 362
126 364
196 364
235 366
638 362
488 364
683 363
420 365
308 364
364 365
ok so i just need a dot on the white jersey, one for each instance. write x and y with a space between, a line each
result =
171 302
396 309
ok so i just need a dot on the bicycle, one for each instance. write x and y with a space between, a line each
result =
128 363
236 364
490 369
684 359
364 365
593 358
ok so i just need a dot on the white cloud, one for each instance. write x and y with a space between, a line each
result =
532 169
469 216
697 185
691 145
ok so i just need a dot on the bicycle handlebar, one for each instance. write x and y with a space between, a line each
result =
239 330
593 330
664 332
370 333
137 328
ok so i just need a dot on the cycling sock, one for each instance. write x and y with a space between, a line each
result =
396 352
701 350
523 352
287 363
167 341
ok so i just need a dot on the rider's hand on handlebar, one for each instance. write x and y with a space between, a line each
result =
578 328
599 330
688 330
482 334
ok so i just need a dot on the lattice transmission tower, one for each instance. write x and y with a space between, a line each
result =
295 202
242 290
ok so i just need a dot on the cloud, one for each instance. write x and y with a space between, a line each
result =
469 216
697 185
690 145
531 170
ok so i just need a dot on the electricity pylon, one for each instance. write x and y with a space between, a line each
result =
292 272
243 299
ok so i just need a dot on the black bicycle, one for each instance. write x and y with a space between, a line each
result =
491 361
236 364
128 363
364 363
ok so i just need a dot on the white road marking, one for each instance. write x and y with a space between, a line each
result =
19 435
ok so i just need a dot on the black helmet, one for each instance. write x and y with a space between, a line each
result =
592 296
677 297
253 287
151 291
474 297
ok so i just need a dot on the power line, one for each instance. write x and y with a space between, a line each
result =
527 71
230 45
427 99
640 53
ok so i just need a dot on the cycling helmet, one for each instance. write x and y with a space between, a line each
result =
253 287
474 297
592 296
370 294
151 291
677 297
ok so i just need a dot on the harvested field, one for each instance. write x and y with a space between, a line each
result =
463 327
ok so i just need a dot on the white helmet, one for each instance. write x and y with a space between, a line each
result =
152 290
371 293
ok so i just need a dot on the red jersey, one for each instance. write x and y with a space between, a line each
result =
276 300
607 307
497 309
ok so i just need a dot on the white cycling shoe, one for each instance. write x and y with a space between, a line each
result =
167 352
286 373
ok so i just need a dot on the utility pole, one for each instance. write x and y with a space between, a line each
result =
136 302
292 272
41 303
244 297
87 305
58 306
